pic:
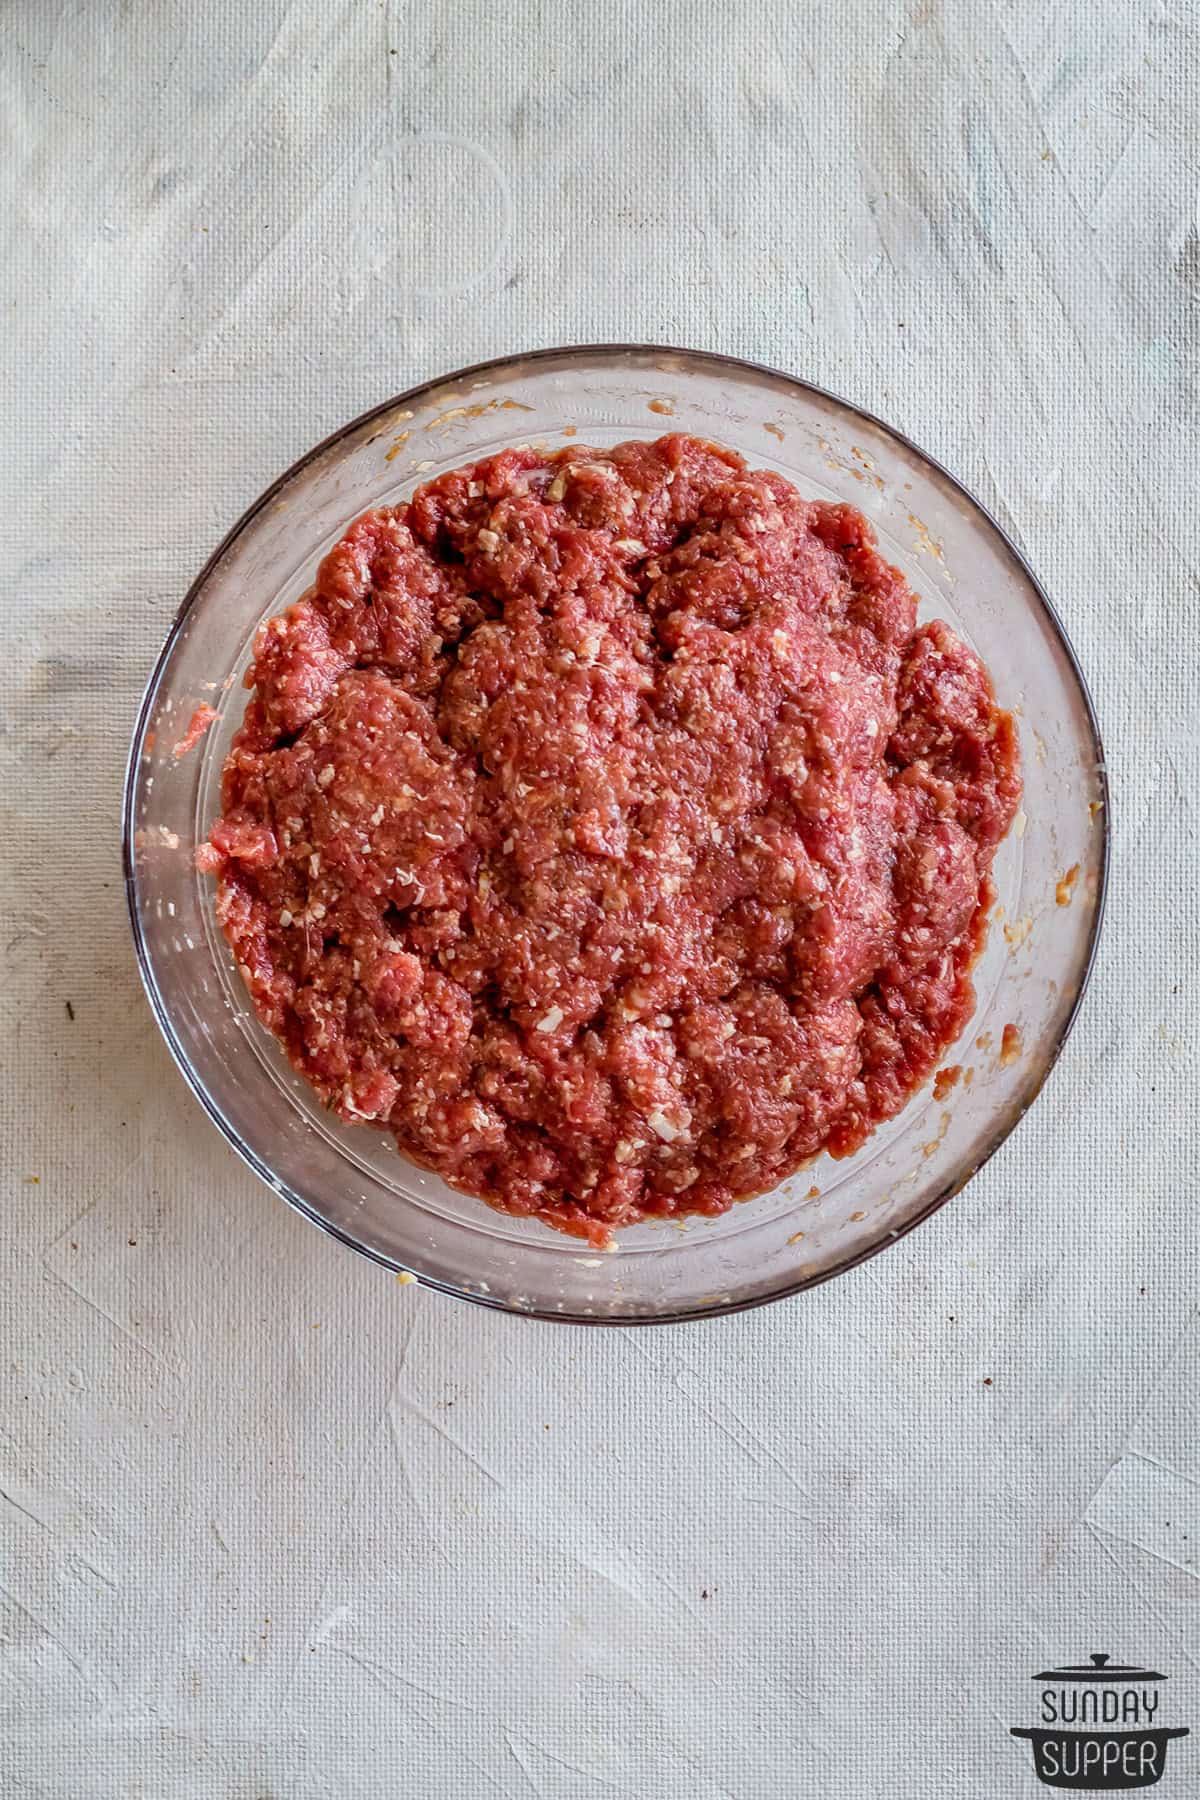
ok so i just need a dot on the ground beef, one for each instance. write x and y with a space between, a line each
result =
603 826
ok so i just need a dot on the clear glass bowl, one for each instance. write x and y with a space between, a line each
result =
353 1181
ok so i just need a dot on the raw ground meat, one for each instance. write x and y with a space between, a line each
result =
602 825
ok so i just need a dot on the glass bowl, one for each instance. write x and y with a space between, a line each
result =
1050 871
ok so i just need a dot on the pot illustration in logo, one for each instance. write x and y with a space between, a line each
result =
1100 1727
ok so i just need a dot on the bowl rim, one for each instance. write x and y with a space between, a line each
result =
719 1308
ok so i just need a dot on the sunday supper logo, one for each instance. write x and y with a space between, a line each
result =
1100 1727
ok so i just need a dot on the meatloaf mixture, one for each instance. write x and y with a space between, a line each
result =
603 826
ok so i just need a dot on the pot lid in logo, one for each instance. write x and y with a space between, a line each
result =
1099 1669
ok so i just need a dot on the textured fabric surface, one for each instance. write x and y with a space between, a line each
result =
273 1525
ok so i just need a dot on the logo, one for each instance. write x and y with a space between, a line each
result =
1100 1727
